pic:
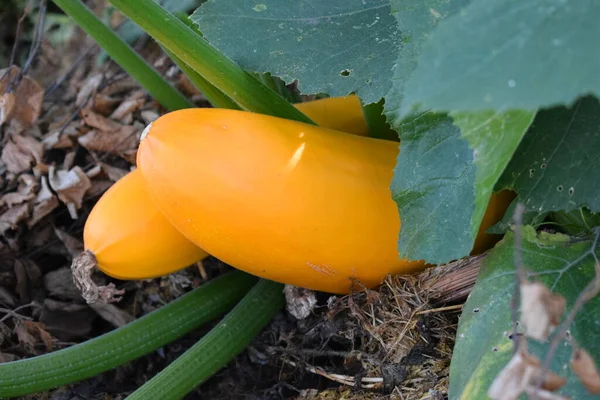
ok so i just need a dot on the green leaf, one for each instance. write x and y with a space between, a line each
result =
501 55
335 46
416 20
494 137
434 173
483 347
556 164
445 176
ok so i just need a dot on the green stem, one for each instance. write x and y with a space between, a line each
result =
215 350
196 52
213 95
127 343
124 55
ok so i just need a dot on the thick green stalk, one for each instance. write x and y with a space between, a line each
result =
215 350
196 52
124 55
127 343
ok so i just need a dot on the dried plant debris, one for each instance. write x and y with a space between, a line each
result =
299 301
520 375
540 310
21 98
586 370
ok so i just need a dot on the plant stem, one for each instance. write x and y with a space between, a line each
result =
127 343
215 350
124 55
213 95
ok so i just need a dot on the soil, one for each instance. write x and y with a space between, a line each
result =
72 136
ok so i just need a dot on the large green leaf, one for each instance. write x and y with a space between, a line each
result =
482 344
494 137
416 20
334 46
434 173
556 165
444 178
504 54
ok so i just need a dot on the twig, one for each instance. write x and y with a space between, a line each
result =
13 313
72 68
440 309
591 290
520 272
37 37
13 53
365 383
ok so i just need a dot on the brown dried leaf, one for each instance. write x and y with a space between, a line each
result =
73 245
540 309
7 104
59 283
38 329
113 173
45 202
299 301
7 357
26 339
28 97
99 122
112 314
88 88
149 116
519 374
127 107
99 187
14 198
104 104
541 394
70 186
11 218
586 370
20 152
116 142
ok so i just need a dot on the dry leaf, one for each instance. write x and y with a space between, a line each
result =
20 152
585 368
38 329
129 105
89 87
28 97
7 103
113 173
14 198
540 394
299 301
149 116
73 245
26 339
45 202
540 309
59 284
97 121
519 374
7 357
112 314
70 186
104 104
115 142
11 218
